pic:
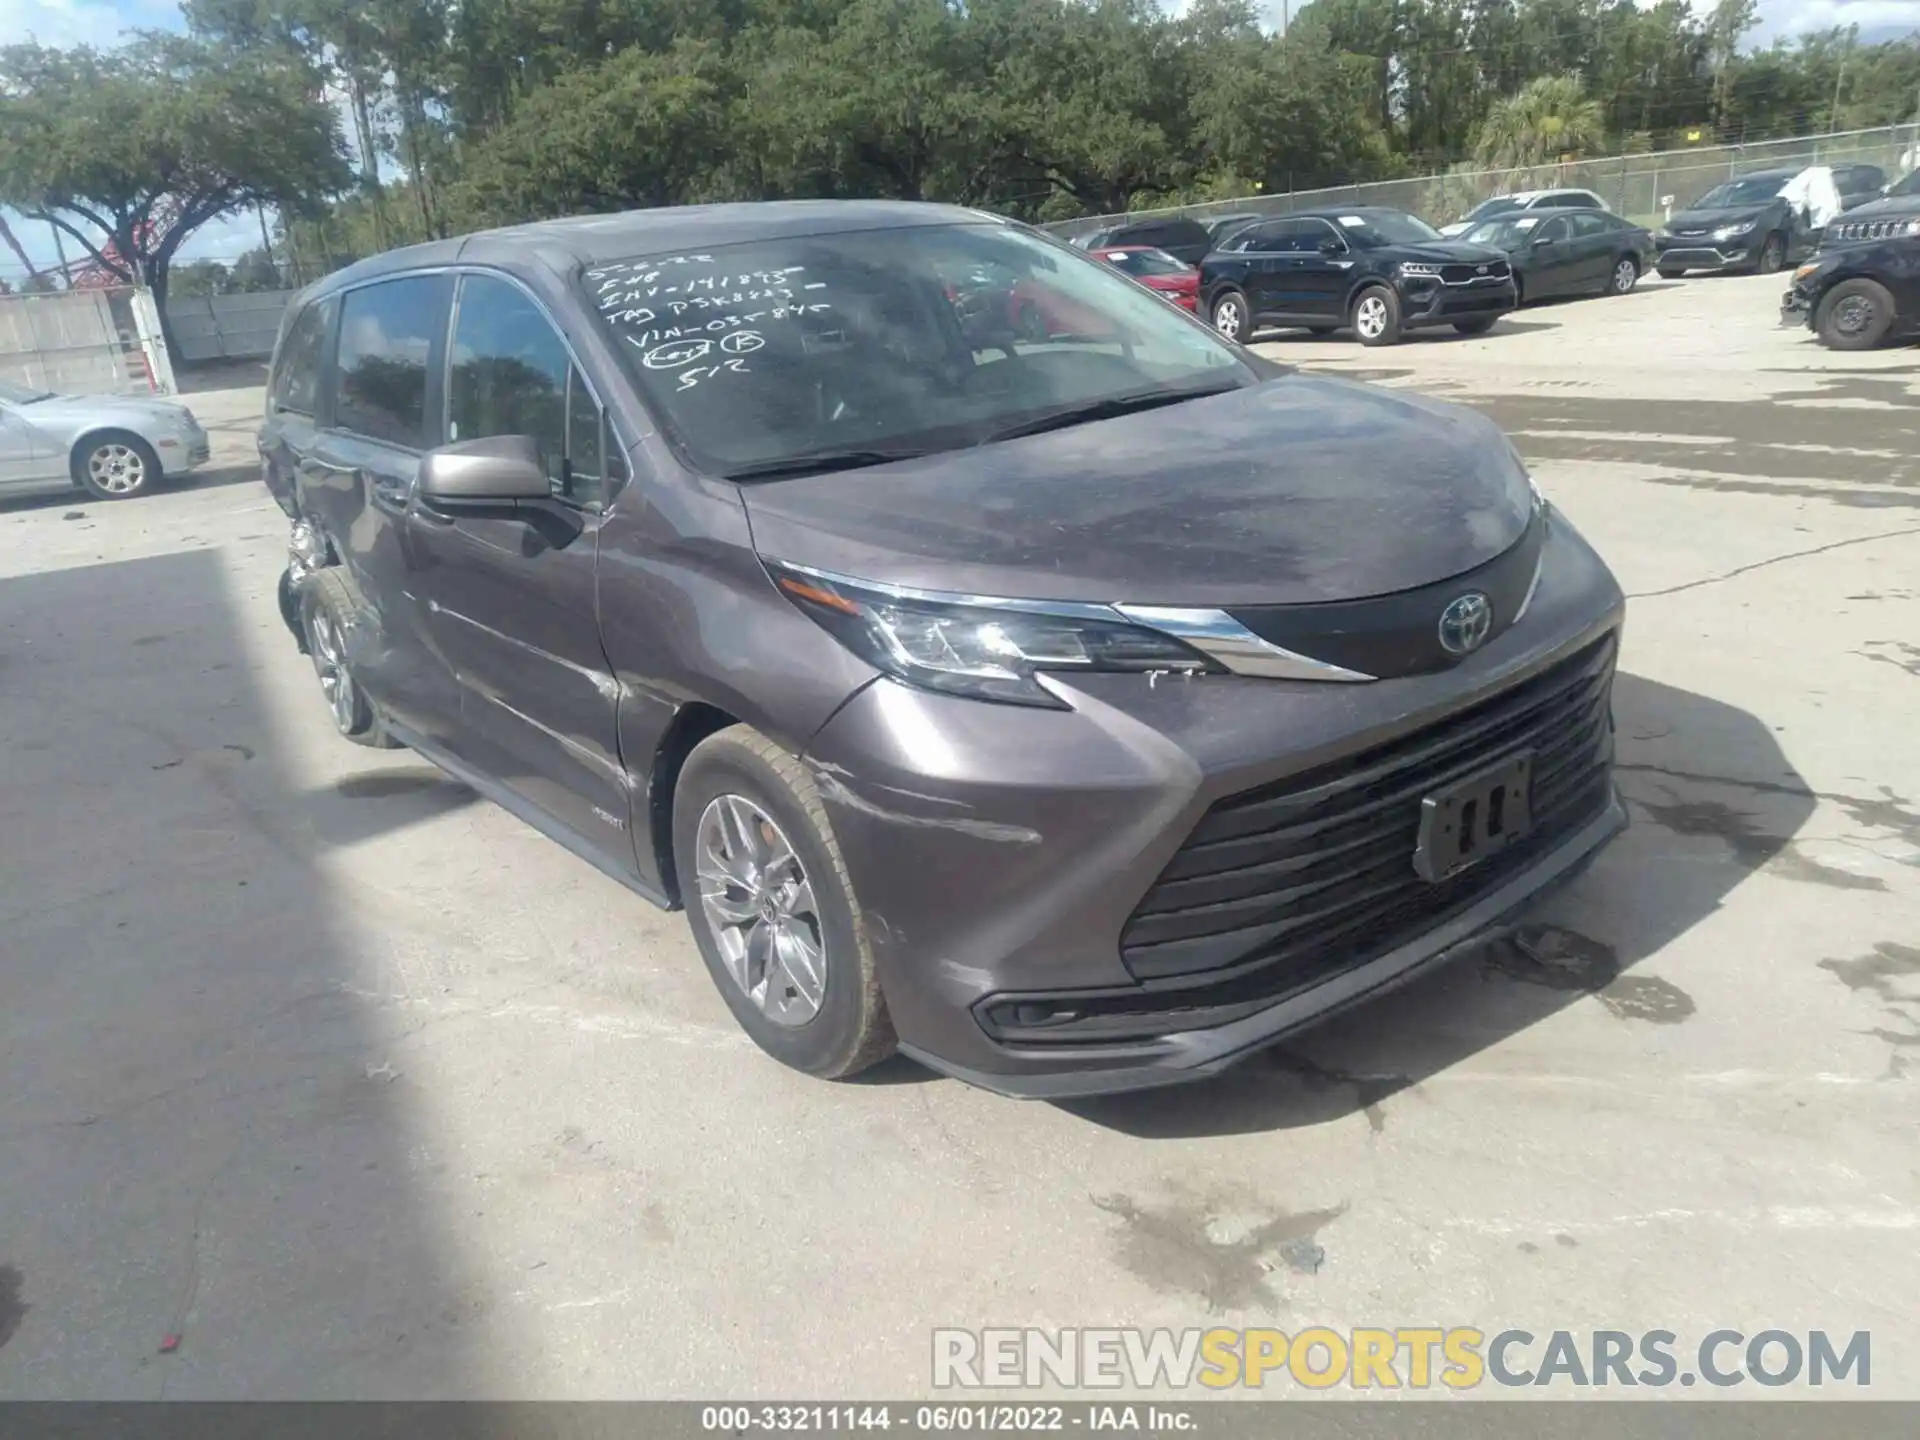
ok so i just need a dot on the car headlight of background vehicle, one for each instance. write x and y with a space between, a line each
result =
985 651
1419 270
1732 232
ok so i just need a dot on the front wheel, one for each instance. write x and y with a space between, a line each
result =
326 620
1854 315
1773 255
116 465
772 908
1231 316
1626 274
1376 316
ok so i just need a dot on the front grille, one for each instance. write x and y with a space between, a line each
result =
1314 873
1892 228
1463 274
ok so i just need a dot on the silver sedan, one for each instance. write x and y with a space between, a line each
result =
113 446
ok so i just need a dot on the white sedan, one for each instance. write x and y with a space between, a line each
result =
113 446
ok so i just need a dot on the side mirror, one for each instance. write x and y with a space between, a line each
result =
493 471
1545 240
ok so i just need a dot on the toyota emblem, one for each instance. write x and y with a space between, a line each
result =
1466 623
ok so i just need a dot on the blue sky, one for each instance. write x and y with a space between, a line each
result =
100 22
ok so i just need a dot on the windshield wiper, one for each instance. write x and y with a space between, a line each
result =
1108 409
818 462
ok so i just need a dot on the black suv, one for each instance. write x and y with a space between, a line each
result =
1383 272
1745 224
1863 288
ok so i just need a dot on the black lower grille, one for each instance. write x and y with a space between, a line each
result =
1315 873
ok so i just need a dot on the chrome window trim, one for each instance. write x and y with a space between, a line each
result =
1214 633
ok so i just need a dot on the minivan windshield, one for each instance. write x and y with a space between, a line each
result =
1756 191
869 345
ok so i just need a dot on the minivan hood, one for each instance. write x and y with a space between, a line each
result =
1296 490
1713 219
1450 251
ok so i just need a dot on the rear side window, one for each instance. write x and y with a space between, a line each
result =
1593 224
296 379
386 339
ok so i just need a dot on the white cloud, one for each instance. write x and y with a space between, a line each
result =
1799 17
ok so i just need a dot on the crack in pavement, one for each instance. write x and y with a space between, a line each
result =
1773 560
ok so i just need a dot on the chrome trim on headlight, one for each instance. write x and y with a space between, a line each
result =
1218 635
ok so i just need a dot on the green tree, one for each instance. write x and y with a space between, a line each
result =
1550 118
131 151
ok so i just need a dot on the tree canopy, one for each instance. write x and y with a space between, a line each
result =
472 112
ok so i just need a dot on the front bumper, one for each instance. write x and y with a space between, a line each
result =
1425 303
1796 309
1687 253
184 451
999 853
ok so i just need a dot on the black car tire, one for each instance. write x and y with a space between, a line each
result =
1624 275
851 1031
1388 330
104 450
1773 255
1231 316
326 620
1854 315
1667 272
1479 326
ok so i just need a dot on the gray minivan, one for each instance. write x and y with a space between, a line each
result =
1072 712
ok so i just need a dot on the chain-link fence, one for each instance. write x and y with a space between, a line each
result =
1644 188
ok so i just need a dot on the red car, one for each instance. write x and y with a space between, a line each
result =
1157 270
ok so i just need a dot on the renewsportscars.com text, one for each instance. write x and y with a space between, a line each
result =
1404 1357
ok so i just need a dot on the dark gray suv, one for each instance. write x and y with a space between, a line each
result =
1073 713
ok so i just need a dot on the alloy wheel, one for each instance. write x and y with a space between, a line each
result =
1624 274
1228 318
330 664
117 469
760 906
1370 317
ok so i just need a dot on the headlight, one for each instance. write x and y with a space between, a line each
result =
989 650
1417 270
1663 233
1729 232
1804 271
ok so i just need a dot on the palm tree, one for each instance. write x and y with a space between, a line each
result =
1549 118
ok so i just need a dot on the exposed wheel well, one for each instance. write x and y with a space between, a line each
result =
693 723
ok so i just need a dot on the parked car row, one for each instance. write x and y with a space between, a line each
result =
1357 267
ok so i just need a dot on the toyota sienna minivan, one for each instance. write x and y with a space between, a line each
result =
1072 712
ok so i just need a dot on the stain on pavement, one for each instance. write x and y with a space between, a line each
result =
1562 959
1220 1246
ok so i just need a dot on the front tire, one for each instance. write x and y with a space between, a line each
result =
326 620
1376 316
1626 275
1773 255
772 908
115 465
1854 315
1231 317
